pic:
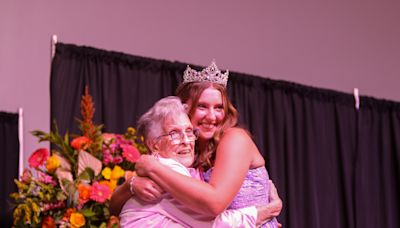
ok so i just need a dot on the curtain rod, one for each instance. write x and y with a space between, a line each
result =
356 98
53 45
21 141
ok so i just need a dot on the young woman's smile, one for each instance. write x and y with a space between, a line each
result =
209 113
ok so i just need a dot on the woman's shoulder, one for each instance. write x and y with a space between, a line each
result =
236 131
242 144
236 134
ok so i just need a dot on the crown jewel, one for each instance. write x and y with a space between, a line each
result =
211 74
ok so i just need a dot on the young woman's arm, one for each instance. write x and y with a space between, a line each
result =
143 187
231 166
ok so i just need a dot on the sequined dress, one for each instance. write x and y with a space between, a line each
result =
254 191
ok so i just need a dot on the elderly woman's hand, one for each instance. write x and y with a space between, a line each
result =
146 189
272 209
145 165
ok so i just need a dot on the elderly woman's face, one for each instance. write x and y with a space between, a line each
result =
181 148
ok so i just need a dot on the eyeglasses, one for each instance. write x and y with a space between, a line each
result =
177 137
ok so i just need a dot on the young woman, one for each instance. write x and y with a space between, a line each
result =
233 166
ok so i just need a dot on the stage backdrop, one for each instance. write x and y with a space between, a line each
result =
9 153
333 166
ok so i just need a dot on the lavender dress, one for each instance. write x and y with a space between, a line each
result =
254 191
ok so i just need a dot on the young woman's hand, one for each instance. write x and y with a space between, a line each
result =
145 165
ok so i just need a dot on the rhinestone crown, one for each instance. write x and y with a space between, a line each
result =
211 74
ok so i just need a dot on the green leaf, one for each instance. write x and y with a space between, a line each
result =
88 212
61 196
87 174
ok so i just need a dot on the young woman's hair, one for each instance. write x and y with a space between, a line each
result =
150 125
189 93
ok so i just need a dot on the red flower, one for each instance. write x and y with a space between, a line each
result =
81 143
48 222
38 157
130 153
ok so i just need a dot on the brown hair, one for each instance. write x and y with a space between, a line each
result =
192 92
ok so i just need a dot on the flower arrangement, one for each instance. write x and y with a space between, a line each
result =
71 185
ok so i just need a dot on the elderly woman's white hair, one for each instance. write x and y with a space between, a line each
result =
150 124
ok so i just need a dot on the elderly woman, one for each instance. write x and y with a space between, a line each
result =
170 137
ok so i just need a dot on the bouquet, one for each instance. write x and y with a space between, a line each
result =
70 186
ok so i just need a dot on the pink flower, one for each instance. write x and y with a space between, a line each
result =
130 152
107 158
53 205
38 157
44 178
108 137
99 192
117 159
26 176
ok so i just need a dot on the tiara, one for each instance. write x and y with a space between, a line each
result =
211 74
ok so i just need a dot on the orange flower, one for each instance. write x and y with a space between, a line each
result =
84 193
38 157
48 222
68 213
112 184
113 222
81 143
77 219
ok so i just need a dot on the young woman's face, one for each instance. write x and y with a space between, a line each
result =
209 113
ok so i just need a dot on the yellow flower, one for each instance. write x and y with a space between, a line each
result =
117 173
77 219
112 184
52 163
131 130
106 173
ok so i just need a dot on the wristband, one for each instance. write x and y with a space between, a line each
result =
131 185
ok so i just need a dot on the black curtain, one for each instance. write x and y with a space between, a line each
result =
9 149
378 164
330 162
308 137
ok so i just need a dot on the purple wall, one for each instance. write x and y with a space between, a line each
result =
337 45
